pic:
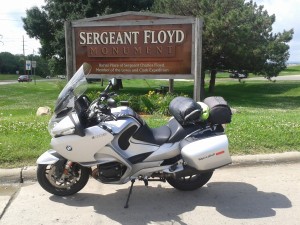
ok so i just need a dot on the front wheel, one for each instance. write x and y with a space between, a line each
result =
190 183
60 181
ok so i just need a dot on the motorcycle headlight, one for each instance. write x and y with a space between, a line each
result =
61 126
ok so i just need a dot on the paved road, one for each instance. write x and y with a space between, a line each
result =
8 82
14 82
287 78
235 195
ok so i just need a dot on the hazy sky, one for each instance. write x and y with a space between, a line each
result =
287 17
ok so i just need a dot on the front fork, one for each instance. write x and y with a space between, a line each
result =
66 171
63 166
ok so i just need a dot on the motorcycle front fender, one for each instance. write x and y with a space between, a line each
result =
49 157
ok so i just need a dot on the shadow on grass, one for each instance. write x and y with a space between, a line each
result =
269 95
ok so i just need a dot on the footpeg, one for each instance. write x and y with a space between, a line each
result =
146 181
173 167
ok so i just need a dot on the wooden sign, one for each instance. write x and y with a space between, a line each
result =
136 45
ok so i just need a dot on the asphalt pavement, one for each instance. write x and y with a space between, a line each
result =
259 189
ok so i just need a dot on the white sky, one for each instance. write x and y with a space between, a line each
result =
11 25
287 17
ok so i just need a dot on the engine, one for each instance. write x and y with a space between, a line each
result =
109 172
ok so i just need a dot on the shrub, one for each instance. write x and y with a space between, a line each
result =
150 103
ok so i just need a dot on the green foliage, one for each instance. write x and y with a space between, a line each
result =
156 103
47 24
150 103
237 34
117 6
134 101
149 107
10 63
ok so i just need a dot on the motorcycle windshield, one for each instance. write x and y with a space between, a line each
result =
76 86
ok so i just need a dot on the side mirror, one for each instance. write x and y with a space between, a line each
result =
113 82
111 103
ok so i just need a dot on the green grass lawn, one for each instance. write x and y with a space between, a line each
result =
291 70
267 118
4 77
23 135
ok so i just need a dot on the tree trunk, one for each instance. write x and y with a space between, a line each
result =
119 83
202 85
171 85
212 82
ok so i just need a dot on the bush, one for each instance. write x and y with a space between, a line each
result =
150 103
155 103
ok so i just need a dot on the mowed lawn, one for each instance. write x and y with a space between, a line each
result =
266 120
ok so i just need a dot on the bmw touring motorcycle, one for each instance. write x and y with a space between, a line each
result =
114 145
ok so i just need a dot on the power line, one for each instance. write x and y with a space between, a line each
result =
10 20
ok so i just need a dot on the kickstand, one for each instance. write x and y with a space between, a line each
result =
130 190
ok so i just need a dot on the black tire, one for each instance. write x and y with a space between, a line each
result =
190 183
49 176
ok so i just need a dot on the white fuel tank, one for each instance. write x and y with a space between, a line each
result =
207 153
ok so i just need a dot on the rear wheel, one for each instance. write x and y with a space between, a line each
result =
60 181
190 183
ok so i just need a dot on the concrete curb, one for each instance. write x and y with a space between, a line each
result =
18 175
28 174
256 160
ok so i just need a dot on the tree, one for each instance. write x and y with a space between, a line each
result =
10 64
47 24
237 35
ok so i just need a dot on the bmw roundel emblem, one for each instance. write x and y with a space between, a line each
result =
69 148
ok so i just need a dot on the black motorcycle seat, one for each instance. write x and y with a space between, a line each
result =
179 132
157 136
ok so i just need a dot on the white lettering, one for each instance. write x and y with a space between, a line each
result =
146 36
112 37
82 38
179 36
153 41
96 38
103 38
171 34
126 37
119 39
89 38
162 37
135 36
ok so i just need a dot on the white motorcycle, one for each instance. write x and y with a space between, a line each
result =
114 145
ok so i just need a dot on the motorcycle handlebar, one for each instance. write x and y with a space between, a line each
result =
97 105
108 87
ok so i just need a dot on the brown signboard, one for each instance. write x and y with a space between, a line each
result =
143 49
136 45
